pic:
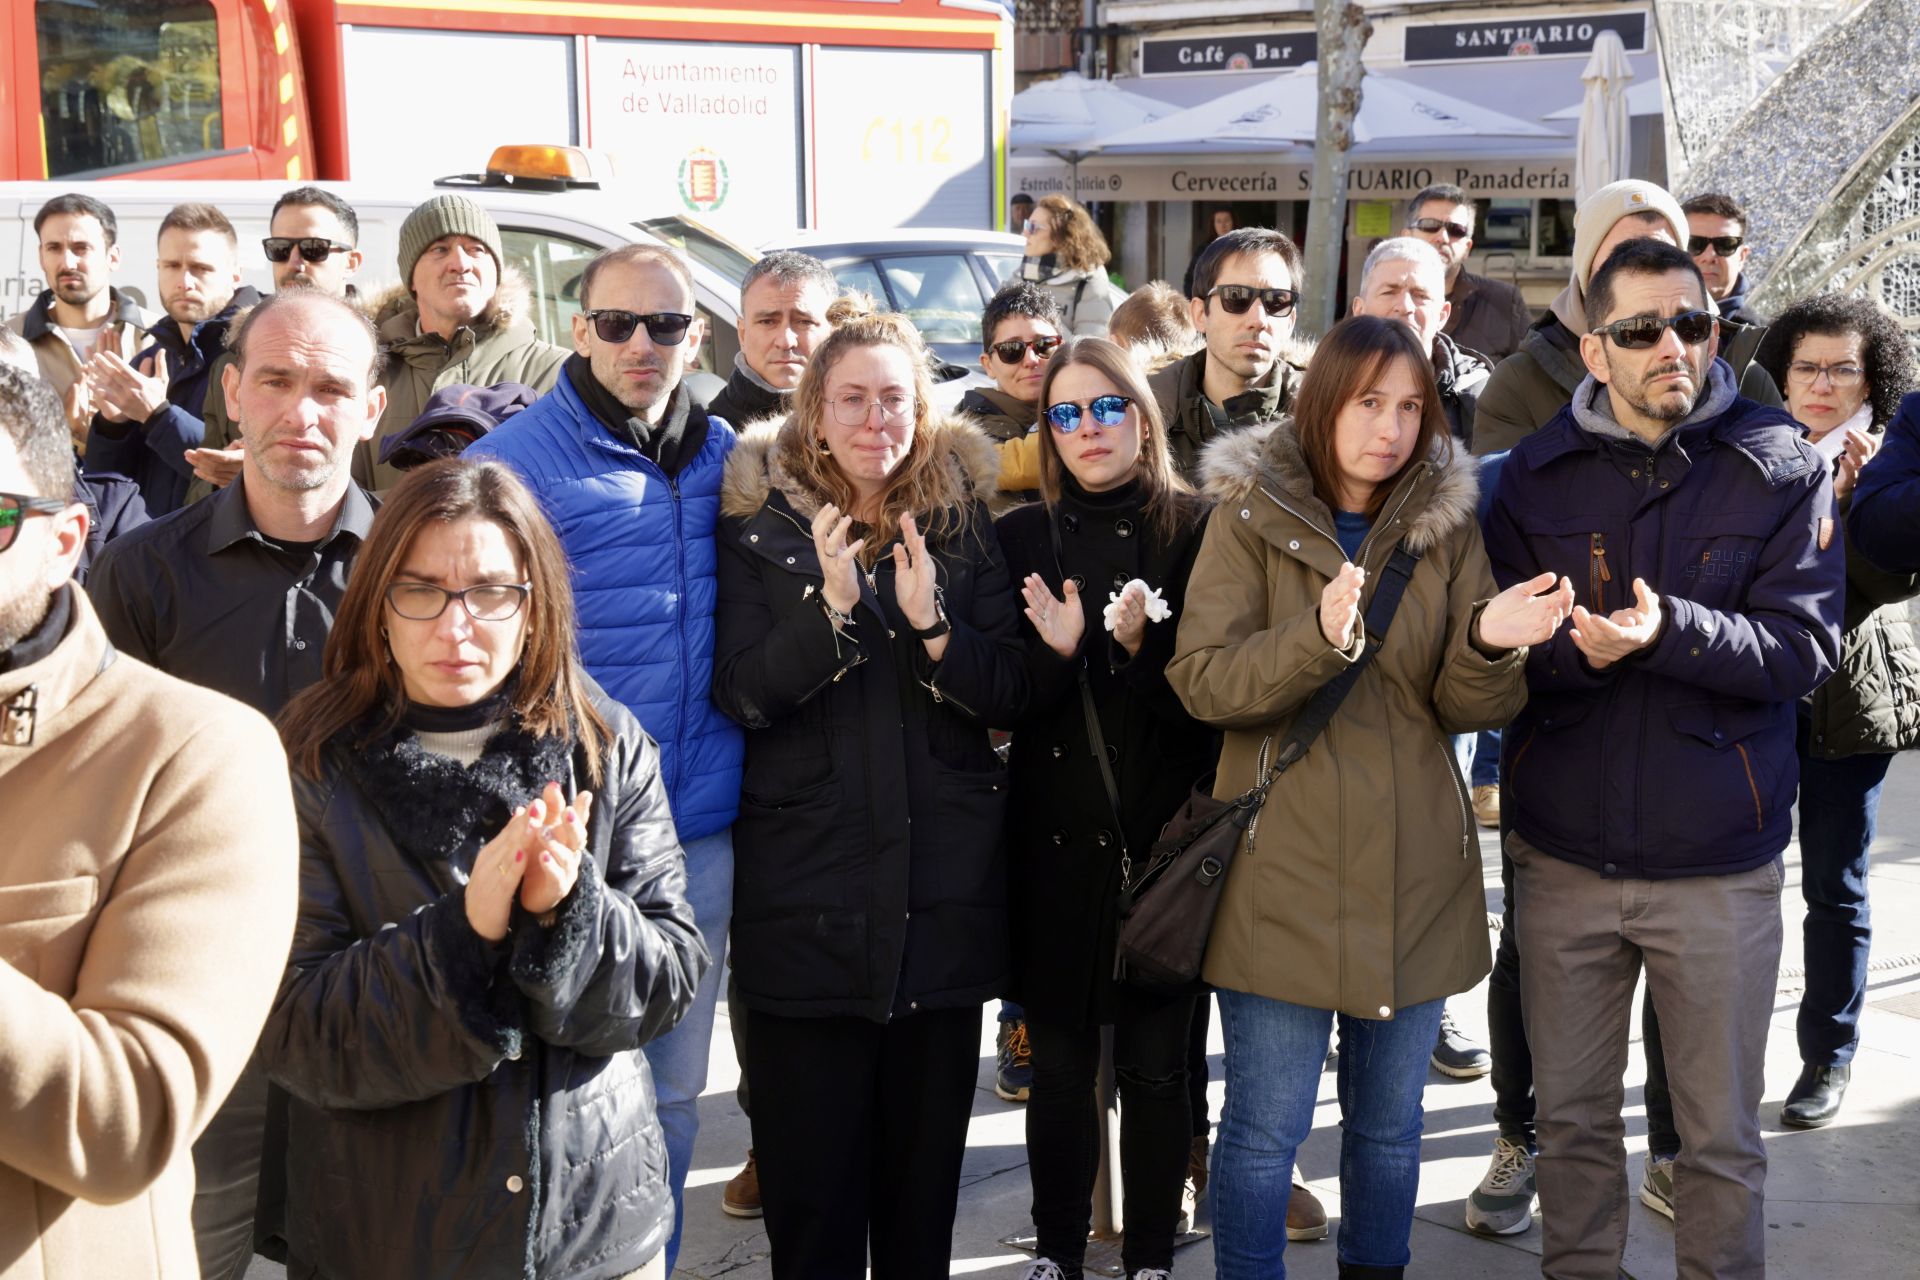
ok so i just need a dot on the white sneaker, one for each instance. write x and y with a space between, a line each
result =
1152 1273
1043 1269
1502 1204
1656 1189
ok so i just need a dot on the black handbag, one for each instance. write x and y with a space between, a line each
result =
1166 912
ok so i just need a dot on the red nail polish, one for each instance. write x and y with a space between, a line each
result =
519 855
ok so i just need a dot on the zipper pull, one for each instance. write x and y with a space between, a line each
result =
1600 556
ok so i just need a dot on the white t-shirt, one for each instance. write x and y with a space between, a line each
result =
83 341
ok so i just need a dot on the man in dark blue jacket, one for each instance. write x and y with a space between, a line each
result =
149 410
627 466
1652 776
1884 521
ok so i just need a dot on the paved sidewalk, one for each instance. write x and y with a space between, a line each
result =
1842 1201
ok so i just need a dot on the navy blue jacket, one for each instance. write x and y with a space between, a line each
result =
1884 521
1678 761
641 547
153 453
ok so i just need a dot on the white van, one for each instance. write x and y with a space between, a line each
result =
550 235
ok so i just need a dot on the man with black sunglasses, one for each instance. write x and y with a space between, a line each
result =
1651 776
1487 315
1245 286
238 594
627 465
1019 332
1717 239
310 244
459 315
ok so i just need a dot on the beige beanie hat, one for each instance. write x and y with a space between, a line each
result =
1607 206
445 215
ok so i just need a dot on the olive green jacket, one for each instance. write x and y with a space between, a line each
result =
1177 389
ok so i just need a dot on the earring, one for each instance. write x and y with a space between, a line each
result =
823 446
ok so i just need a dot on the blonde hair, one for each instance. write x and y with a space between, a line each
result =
1077 242
917 486
1170 501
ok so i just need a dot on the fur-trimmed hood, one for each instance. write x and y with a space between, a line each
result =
759 465
1269 456
508 308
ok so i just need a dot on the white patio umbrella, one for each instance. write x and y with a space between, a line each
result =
1281 111
1603 149
1067 115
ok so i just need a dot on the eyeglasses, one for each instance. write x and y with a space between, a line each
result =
1440 226
487 602
1030 225
1108 411
16 507
1013 351
1236 299
1722 245
312 248
1636 332
664 328
1842 377
852 409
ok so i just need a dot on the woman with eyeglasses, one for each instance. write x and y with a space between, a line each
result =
1355 904
1068 256
493 918
1103 563
1844 365
867 637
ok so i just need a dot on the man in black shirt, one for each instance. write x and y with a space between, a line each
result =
237 593
783 313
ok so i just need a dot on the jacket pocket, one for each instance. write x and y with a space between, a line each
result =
966 839
1553 780
32 916
1726 755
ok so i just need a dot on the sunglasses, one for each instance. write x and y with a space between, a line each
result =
488 602
1439 226
664 328
1237 299
1014 350
1108 411
16 507
312 248
1637 332
1722 245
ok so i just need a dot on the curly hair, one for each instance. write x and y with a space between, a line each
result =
1077 243
1886 356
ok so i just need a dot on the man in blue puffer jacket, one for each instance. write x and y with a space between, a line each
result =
628 469
1885 520
1651 778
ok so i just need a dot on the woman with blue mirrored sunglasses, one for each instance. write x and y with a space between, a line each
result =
1107 411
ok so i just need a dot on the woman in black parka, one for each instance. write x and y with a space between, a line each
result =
493 920
1114 539
866 636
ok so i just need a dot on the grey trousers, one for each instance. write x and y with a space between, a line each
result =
1711 948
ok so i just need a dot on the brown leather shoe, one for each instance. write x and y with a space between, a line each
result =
1306 1216
742 1196
1486 806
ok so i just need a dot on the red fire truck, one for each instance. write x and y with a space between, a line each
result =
754 115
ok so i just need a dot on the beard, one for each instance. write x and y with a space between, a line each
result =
1670 405
21 616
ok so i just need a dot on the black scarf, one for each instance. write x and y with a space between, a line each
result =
671 443
434 807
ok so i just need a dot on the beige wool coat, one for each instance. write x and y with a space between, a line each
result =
1358 888
148 888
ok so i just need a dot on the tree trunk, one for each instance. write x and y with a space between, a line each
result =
1343 29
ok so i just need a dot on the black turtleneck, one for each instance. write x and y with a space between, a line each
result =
489 710
670 444
44 638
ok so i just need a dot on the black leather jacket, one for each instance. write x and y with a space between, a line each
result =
466 1110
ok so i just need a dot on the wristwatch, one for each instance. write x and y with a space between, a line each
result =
940 625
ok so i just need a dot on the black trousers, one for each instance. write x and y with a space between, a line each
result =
1197 1062
859 1130
1513 1106
1150 1044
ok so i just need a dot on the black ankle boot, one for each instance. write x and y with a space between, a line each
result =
1815 1097
1354 1271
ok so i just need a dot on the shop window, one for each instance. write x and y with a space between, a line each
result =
1556 229
1506 226
140 88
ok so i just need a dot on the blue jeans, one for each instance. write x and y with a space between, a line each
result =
679 1058
1275 1054
1479 757
1839 801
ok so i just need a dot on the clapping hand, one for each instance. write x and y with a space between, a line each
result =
839 569
1526 613
558 834
1340 605
1059 623
913 577
124 393
217 467
1130 626
1861 446
1607 640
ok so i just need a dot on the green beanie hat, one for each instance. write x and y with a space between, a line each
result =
442 216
